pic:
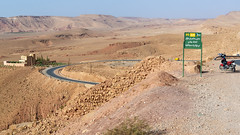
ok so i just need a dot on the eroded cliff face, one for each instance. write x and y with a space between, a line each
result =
53 23
26 24
57 23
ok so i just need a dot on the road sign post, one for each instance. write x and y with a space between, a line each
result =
192 40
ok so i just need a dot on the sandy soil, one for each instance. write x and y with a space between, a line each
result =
193 105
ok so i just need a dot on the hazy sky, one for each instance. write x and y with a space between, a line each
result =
120 8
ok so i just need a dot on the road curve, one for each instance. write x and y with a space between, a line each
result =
50 72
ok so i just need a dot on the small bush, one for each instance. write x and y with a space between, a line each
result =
40 61
130 127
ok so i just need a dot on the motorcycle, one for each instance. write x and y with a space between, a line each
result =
229 65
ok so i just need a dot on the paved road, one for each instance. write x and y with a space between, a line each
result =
50 72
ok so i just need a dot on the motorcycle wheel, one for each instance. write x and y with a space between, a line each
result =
221 68
234 69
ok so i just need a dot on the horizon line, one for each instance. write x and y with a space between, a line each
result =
109 15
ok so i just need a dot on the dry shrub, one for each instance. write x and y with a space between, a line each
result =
130 127
134 126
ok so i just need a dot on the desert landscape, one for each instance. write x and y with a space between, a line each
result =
151 89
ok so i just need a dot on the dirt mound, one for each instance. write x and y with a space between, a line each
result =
109 89
153 99
193 68
162 79
116 47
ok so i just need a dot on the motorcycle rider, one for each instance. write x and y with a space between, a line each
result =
223 61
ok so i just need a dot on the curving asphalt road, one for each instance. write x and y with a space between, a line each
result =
50 72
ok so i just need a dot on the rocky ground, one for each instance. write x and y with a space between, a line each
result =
171 105
192 105
216 107
82 104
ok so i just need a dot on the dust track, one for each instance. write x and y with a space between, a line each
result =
217 102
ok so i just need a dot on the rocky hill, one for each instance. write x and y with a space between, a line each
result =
57 23
230 19
26 23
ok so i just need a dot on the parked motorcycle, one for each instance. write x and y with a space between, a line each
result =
226 65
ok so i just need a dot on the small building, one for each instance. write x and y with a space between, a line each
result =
13 63
24 61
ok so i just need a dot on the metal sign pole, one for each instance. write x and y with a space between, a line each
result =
192 40
183 63
201 64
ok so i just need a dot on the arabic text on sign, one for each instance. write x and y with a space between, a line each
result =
188 38
192 45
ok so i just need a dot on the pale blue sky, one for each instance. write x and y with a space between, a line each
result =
120 8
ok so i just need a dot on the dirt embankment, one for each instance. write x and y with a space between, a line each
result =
144 76
27 95
150 99
93 98
111 88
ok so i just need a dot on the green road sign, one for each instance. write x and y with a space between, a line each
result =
192 40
